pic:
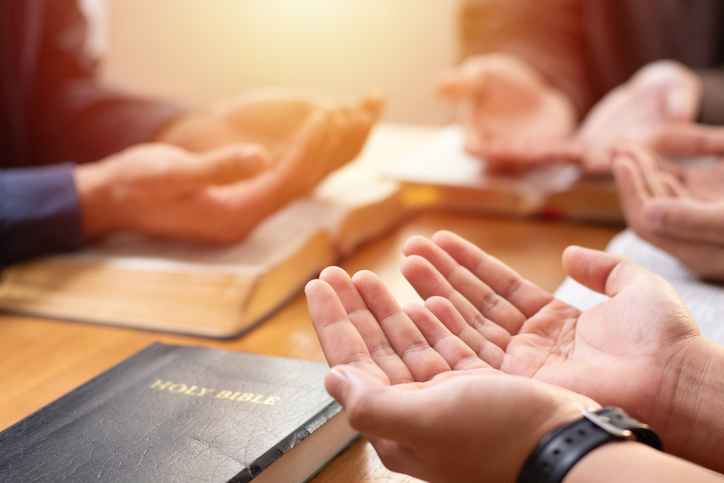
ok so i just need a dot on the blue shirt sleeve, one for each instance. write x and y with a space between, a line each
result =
39 212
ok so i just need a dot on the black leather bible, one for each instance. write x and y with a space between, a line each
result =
183 414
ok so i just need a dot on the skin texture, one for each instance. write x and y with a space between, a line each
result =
627 351
503 99
380 359
681 213
655 108
218 196
435 408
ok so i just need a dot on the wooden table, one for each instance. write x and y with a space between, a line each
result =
42 359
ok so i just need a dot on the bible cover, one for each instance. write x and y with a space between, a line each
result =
178 413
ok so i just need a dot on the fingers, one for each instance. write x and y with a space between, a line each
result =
521 156
685 139
311 141
375 408
489 73
367 326
485 299
230 164
657 205
601 271
632 189
428 282
673 186
374 106
647 165
457 354
527 297
402 334
686 219
340 340
449 316
681 86
351 128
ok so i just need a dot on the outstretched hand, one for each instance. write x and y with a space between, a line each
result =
267 118
503 100
655 108
429 404
625 351
681 213
217 196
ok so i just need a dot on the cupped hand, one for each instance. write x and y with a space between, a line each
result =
683 215
268 118
655 108
166 191
506 100
430 406
627 351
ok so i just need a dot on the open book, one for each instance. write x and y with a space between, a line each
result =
442 174
704 300
202 290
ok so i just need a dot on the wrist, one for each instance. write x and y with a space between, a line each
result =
95 195
556 413
596 465
693 385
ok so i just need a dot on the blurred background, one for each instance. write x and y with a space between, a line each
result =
198 52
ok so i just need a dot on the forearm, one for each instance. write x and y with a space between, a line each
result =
546 35
693 425
630 461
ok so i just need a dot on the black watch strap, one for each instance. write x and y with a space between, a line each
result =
561 449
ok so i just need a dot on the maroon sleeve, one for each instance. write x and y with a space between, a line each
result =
73 116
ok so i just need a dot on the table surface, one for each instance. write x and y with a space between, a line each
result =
42 359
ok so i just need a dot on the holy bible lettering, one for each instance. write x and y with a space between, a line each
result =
198 391
227 417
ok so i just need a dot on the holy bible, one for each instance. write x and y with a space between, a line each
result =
180 413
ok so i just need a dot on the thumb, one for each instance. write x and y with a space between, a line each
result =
372 406
453 85
600 271
232 163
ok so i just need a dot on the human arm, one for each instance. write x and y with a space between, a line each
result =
162 190
629 351
432 408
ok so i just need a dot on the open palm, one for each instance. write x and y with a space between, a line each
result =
505 99
619 352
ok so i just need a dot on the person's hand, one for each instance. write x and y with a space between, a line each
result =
682 215
467 422
627 351
656 108
167 191
506 100
268 118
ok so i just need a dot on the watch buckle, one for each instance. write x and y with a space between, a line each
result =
604 422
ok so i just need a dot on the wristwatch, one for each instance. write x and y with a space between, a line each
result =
562 448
